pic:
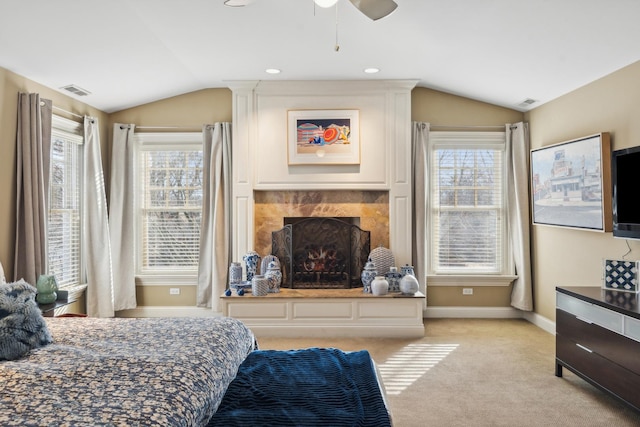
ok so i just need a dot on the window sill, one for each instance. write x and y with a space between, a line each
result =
463 280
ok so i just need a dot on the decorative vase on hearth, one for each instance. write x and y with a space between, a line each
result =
409 284
407 269
264 265
274 276
259 285
235 273
393 277
368 274
251 261
379 286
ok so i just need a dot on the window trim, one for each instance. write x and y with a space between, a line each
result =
165 141
458 139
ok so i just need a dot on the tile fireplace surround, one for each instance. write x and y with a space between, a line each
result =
271 207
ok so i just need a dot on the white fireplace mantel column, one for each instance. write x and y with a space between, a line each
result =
259 156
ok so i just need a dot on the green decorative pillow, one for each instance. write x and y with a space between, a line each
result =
22 326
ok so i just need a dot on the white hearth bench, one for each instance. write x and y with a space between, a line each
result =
328 313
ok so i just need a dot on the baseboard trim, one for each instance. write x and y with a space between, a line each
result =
168 311
473 312
541 322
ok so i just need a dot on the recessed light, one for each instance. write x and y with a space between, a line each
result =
371 70
272 71
237 3
325 3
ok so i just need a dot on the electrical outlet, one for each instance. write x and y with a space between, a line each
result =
174 291
467 291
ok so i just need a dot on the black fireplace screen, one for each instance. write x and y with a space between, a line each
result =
321 253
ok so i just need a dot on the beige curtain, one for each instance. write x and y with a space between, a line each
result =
420 176
121 217
95 243
33 144
517 136
215 236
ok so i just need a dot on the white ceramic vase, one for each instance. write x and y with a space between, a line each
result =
379 286
409 284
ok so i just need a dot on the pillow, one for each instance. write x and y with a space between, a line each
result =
22 326
2 279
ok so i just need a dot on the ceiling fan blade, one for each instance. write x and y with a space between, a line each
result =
375 9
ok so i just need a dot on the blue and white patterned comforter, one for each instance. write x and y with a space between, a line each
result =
125 372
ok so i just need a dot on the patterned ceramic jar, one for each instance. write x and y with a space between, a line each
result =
393 277
235 273
274 276
252 262
264 265
407 269
259 286
368 274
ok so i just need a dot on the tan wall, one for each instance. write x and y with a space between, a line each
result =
441 109
563 256
10 85
188 112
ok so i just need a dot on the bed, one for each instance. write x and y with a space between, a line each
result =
81 371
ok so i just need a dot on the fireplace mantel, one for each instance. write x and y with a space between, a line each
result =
260 153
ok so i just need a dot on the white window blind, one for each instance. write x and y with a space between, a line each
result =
170 202
64 216
467 203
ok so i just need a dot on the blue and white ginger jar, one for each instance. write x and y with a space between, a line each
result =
251 261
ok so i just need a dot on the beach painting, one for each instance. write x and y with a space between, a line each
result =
323 137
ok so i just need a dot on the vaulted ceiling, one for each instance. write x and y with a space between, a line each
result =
130 52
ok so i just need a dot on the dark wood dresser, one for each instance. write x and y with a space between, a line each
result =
598 339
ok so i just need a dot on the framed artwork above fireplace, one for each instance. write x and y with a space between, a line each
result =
323 137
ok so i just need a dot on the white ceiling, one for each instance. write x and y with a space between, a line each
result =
130 52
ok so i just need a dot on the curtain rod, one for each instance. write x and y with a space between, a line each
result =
170 127
68 112
465 127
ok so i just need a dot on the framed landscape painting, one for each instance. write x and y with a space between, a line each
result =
571 184
323 137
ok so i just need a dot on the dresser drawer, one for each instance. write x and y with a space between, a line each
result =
632 328
613 346
611 377
590 312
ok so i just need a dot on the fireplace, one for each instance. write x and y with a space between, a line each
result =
321 253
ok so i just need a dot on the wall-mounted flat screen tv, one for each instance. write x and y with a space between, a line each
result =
625 173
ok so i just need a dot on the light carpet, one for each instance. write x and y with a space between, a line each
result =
478 372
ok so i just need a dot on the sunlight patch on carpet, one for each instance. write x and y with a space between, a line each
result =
410 363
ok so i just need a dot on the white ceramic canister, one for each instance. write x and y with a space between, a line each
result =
259 285
409 284
379 286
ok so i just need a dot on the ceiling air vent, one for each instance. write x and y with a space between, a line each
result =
76 90
527 102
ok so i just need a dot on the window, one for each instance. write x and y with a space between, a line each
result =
64 217
467 204
169 204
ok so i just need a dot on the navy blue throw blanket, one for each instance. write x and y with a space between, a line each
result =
308 387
